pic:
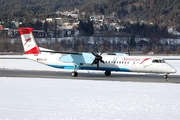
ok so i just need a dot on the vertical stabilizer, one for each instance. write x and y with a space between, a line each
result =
29 43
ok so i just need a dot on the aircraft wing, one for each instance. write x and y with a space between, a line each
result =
78 58
74 57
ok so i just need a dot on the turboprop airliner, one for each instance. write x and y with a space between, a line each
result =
92 61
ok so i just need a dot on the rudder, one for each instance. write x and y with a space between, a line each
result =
29 43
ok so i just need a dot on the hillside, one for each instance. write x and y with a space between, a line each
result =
162 12
16 9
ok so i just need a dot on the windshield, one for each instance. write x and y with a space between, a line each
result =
158 61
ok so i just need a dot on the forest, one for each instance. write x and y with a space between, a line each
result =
161 12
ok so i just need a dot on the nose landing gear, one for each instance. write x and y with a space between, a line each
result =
166 77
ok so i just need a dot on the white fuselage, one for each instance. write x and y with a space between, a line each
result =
111 63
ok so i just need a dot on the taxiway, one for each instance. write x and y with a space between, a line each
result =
90 76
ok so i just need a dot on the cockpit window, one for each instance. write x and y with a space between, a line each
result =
161 61
155 61
158 61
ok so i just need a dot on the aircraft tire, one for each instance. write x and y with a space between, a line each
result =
165 76
107 73
74 74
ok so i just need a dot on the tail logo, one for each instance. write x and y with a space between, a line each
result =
27 40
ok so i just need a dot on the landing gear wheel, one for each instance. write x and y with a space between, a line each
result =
107 73
166 77
74 74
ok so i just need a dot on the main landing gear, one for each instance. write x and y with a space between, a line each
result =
166 77
74 73
107 73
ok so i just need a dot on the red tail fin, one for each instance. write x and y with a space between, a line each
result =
29 43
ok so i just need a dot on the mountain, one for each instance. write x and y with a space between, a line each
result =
16 9
161 12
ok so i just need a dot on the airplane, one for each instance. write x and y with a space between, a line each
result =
106 62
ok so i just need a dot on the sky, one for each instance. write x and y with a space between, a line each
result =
70 99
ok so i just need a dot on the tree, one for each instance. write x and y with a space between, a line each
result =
86 28
90 28
132 42
167 50
145 49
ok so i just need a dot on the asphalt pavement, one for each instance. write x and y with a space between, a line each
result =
90 76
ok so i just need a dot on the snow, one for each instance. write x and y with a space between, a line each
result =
51 99
35 98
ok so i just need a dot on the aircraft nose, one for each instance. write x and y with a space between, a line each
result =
172 70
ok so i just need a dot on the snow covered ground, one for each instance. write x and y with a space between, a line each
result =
56 99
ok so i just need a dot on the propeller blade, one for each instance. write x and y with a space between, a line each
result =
94 54
98 58
92 63
102 61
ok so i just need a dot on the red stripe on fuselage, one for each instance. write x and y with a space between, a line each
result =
145 60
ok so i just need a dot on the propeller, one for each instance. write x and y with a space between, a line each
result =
98 58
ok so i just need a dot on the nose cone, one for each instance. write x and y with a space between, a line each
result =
172 70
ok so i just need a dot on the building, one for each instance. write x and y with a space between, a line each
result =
1 27
58 21
14 25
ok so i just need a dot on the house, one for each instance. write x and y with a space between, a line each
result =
14 25
173 31
1 27
59 21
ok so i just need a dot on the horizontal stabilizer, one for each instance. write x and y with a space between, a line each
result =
45 49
